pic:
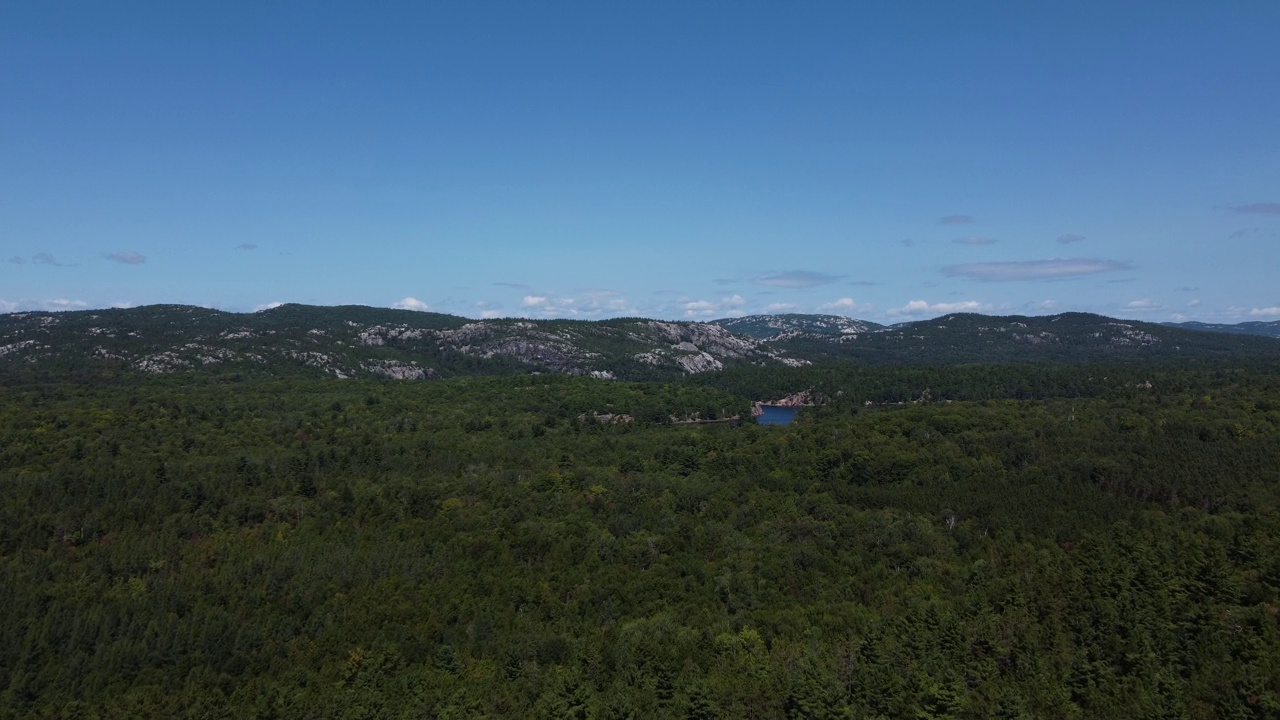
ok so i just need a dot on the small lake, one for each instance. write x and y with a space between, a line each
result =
776 415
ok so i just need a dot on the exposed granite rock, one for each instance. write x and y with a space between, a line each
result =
397 370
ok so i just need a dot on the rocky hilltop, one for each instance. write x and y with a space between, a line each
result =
798 327
349 342
1253 327
354 341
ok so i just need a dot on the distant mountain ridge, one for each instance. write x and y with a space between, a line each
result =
792 326
358 341
1252 327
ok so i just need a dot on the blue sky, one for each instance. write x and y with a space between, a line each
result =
688 160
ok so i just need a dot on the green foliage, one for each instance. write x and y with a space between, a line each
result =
1022 543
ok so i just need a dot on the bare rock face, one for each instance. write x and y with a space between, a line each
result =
468 334
701 362
320 361
532 353
161 363
397 370
15 347
704 337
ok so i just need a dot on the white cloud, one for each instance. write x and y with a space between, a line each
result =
1033 269
1266 312
1194 303
61 304
593 303
267 306
781 307
411 303
491 314
730 306
1143 305
128 258
700 308
843 305
922 307
53 305
1049 305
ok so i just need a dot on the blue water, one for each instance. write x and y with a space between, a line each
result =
776 415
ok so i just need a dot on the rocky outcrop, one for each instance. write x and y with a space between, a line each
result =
804 398
397 370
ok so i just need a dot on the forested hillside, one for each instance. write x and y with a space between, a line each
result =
977 542
354 342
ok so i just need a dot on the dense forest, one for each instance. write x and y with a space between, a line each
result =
987 541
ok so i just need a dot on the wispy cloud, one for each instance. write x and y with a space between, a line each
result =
1070 238
591 303
489 309
1273 311
1144 304
908 242
42 258
1195 302
1254 232
247 246
796 279
701 309
956 220
841 306
63 304
726 281
267 306
514 286
1263 208
923 307
411 303
1055 269
1186 288
975 240
52 305
781 308
127 258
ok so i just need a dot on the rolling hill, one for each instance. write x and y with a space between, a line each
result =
356 341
